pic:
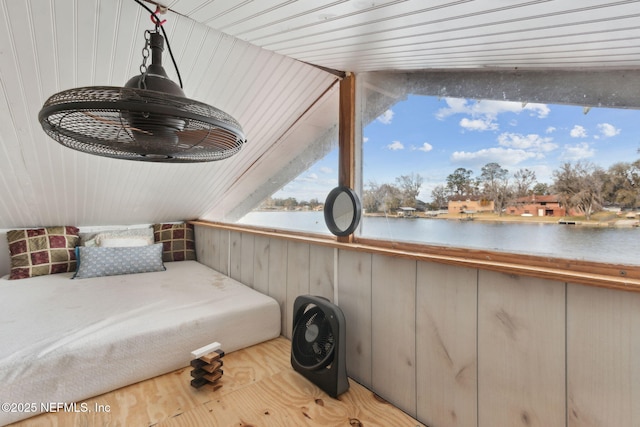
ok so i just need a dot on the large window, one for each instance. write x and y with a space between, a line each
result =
438 168
524 177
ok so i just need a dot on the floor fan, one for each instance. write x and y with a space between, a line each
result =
318 343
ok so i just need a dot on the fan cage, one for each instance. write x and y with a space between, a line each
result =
319 352
139 124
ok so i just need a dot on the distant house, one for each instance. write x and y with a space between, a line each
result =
457 205
536 205
406 212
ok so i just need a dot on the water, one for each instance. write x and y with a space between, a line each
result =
603 244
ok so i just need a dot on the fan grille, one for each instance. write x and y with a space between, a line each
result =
313 339
139 124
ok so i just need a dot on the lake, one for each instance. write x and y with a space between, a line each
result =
604 244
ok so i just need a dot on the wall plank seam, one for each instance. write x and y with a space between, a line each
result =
336 283
229 253
477 347
566 354
371 338
415 338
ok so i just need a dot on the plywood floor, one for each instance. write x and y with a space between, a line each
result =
259 388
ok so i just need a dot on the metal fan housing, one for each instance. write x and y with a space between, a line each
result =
149 119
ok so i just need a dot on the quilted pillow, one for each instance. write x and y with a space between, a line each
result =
41 251
178 241
96 261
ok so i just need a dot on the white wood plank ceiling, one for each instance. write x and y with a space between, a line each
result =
252 59
371 35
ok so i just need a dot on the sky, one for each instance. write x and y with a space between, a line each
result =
434 136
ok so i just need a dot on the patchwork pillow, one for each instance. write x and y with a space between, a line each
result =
96 261
41 251
178 241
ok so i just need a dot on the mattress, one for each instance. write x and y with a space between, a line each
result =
65 340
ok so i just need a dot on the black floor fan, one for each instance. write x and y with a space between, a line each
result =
318 343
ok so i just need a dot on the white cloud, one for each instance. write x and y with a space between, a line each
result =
454 106
537 110
527 142
395 145
480 125
310 177
326 169
550 129
426 147
503 156
386 117
578 132
365 139
608 130
489 109
514 149
577 152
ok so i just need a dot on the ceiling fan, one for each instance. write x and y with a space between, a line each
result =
148 119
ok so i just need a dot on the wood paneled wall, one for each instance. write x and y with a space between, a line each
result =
456 346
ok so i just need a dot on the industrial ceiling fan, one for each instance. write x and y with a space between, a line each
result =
149 119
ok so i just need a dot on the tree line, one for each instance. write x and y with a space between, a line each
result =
581 186
289 203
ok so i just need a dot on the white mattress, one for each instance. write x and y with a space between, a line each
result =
64 340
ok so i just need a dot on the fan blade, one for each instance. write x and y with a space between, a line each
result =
313 339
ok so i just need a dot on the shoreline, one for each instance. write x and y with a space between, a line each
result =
607 220
600 219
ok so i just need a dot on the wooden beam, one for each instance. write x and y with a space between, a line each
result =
347 131
346 137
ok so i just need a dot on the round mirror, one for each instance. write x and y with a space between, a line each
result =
342 211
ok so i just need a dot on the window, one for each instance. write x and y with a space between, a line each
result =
525 177
298 205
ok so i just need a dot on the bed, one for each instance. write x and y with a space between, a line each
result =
66 340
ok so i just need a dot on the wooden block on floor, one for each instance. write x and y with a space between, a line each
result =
214 355
207 368
198 373
205 350
214 376
197 363
198 382
212 367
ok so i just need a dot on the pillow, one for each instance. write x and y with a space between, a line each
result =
96 261
178 241
119 242
118 238
41 251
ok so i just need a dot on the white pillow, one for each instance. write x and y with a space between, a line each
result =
119 242
123 238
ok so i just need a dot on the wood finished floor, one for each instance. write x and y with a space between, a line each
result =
258 388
